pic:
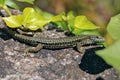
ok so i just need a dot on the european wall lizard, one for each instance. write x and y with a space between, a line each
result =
54 43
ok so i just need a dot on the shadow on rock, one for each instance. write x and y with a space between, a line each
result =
93 64
4 36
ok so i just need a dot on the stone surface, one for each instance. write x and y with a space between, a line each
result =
63 64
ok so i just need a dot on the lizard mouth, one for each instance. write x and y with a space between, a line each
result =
98 39
95 45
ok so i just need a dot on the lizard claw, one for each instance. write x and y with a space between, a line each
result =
25 51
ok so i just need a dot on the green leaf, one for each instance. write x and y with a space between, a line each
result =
77 31
14 21
90 32
70 20
57 18
46 15
30 15
2 2
70 24
70 15
37 25
114 27
62 25
32 20
28 1
81 22
29 20
85 32
11 3
111 55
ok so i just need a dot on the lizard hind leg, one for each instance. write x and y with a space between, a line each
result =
34 49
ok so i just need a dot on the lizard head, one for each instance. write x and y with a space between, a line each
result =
93 39
96 39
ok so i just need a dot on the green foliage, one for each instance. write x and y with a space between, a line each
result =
34 19
114 28
43 13
29 20
70 20
81 24
3 4
28 1
14 21
12 4
111 53
57 17
9 3
77 25
85 32
60 21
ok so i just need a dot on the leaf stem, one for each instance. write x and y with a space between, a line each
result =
7 10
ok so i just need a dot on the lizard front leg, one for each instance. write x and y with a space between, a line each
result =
31 49
80 48
34 49
25 33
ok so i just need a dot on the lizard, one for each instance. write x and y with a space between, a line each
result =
54 43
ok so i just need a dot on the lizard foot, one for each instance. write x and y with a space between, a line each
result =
31 49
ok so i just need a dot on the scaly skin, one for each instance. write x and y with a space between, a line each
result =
55 43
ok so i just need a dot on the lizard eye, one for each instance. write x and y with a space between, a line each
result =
96 38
